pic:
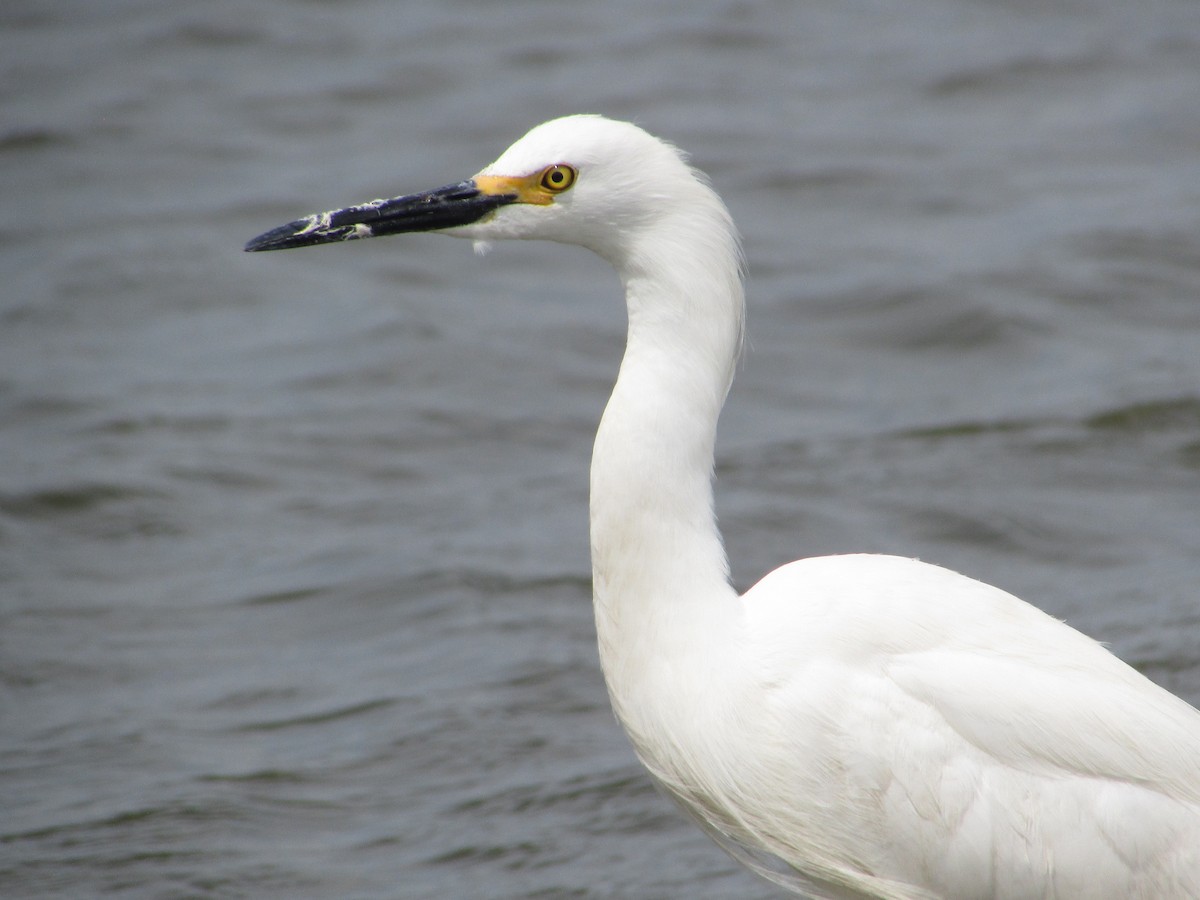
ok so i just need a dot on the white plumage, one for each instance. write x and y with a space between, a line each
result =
851 726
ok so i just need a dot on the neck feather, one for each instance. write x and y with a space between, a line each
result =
658 562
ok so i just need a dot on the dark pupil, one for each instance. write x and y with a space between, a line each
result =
556 177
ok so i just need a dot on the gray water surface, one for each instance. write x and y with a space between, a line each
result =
294 587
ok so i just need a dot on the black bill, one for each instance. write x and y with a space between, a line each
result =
455 204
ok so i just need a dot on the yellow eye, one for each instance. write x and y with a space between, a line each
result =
557 179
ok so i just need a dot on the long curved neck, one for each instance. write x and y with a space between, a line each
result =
658 563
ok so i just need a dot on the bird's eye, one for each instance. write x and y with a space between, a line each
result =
557 179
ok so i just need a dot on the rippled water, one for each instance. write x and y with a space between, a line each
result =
294 593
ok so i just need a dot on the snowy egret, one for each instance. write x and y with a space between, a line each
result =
851 726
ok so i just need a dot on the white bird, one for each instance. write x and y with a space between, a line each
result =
851 726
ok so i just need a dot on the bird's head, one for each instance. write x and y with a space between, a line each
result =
583 180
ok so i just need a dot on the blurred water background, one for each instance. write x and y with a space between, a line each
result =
294 587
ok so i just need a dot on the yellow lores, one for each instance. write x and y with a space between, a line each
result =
538 188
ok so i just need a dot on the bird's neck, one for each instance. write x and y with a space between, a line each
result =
660 576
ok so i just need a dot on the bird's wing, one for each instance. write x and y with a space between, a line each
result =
1017 684
946 730
1055 717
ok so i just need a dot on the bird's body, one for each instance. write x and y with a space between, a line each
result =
852 726
905 731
